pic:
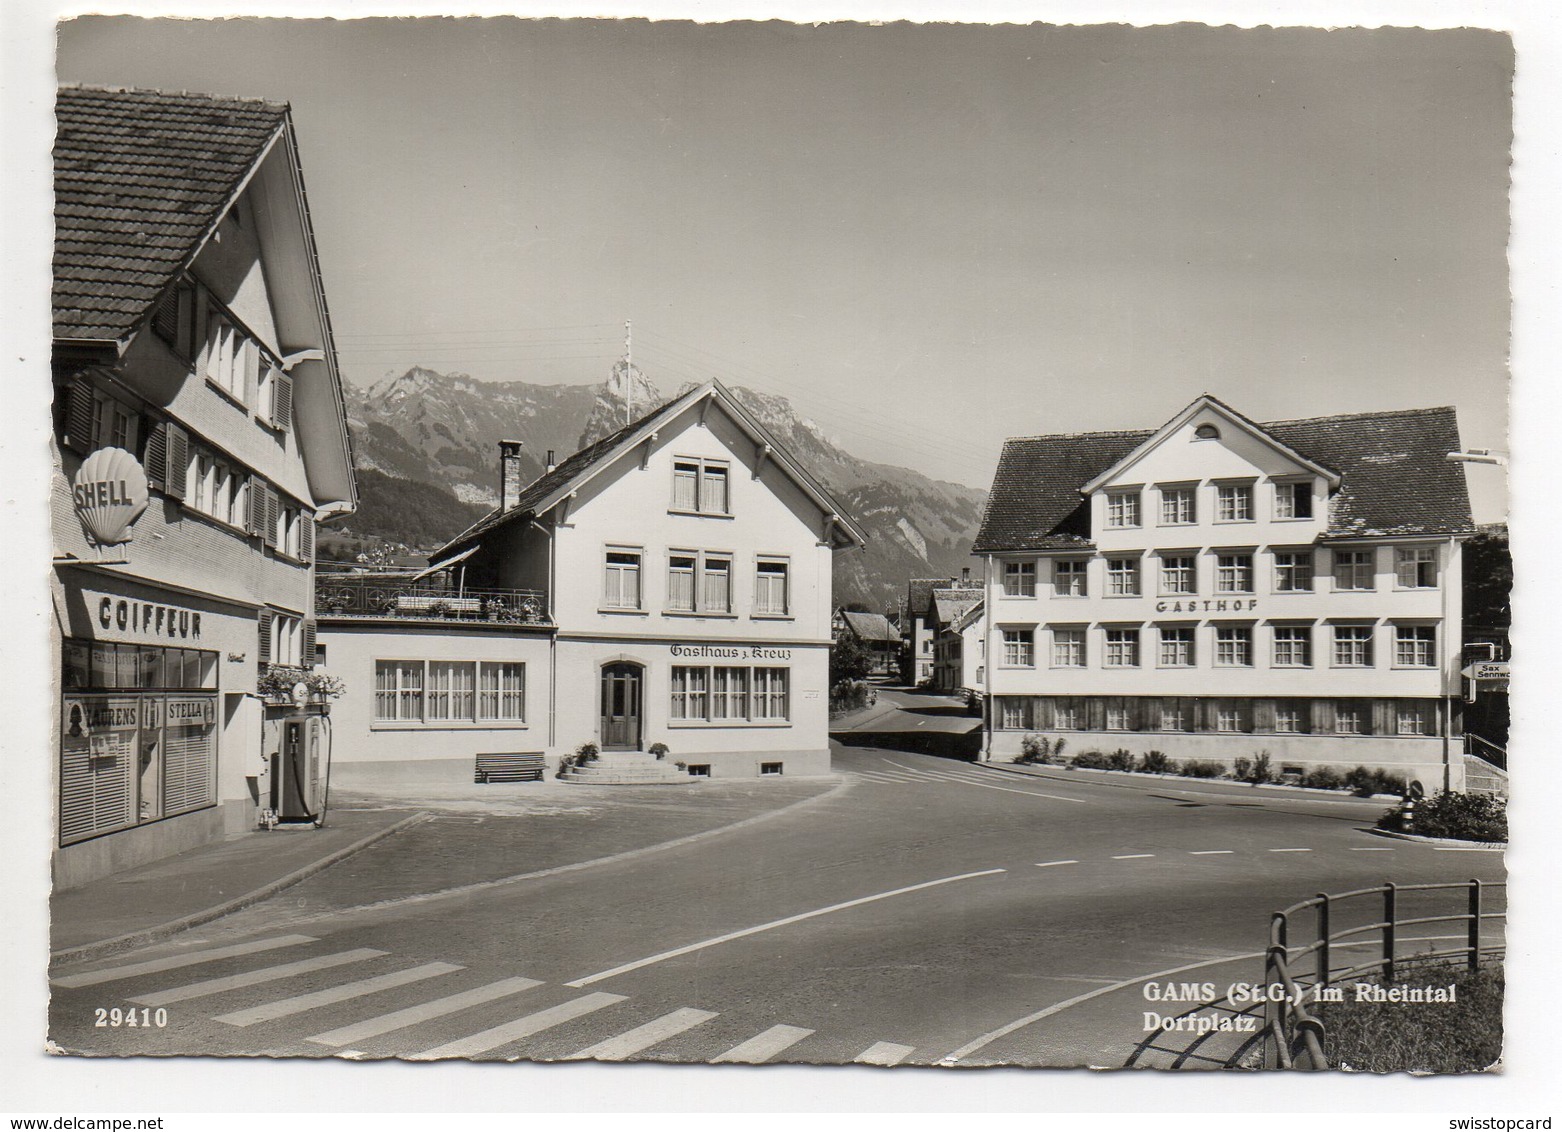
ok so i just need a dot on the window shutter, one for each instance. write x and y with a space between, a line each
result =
176 458
1304 713
1095 713
1384 721
281 400
268 532
1263 715
308 648
1323 718
78 417
255 519
1046 713
157 456
165 319
263 645
306 538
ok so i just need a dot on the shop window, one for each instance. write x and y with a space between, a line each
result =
1291 718
1414 717
1233 716
728 694
1176 716
1350 718
1067 714
1016 713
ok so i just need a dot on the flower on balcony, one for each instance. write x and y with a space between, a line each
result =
277 682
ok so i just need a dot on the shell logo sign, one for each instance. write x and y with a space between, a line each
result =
110 493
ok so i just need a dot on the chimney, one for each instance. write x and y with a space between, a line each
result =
509 473
551 464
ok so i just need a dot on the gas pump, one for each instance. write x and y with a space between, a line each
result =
300 765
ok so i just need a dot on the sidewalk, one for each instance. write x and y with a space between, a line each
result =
140 905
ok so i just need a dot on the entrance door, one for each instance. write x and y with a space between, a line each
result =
621 707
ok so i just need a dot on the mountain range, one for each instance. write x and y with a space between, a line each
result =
426 446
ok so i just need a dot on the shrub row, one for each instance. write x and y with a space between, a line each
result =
1448 813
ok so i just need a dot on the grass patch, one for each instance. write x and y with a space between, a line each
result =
1464 1036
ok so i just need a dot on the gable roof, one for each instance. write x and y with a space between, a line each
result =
1394 478
140 179
551 487
949 605
870 626
969 617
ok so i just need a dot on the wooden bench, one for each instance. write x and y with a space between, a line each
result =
520 766
418 603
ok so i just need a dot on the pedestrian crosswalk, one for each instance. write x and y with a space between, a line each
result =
888 772
387 1006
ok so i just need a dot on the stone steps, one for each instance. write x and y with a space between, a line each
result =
627 768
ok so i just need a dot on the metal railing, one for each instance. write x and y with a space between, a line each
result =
1293 1035
1486 750
405 598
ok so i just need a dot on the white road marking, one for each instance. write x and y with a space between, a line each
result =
286 1007
883 1053
109 974
1370 849
1468 848
1049 864
525 1027
1210 852
412 1015
251 978
631 1042
677 951
1290 850
988 785
1131 856
1020 1023
762 1047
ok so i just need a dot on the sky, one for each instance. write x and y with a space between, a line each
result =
929 237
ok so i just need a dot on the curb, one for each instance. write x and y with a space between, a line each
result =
1458 843
1281 789
163 931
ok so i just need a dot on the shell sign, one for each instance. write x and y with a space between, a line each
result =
110 493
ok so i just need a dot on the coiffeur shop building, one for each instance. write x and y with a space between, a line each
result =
199 432
670 583
1217 589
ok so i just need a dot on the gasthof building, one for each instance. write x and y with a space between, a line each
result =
1217 588
199 433
667 584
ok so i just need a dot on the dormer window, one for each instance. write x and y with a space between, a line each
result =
1122 509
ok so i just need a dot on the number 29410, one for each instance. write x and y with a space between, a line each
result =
114 1017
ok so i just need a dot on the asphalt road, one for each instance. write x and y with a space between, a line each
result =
925 911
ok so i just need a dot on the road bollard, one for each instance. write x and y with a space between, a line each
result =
1407 815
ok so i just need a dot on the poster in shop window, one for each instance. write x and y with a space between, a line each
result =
889 545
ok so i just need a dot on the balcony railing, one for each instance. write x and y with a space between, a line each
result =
406 599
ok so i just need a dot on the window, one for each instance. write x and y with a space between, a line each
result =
1234 646
1413 717
231 359
1179 576
1415 567
1353 646
621 580
1019 579
1122 648
1415 646
1122 508
1233 715
1068 577
1234 502
1177 646
1293 646
1294 500
1234 574
701 486
1068 648
1206 432
289 534
1290 718
1353 570
1293 571
1350 718
770 587
287 639
680 582
698 770
726 694
717 584
114 424
449 691
1178 506
1175 715
1122 577
1019 647
769 768
1016 713
1118 716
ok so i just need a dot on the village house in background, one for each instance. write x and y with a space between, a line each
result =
665 590
947 609
920 625
1218 589
875 634
195 378
961 652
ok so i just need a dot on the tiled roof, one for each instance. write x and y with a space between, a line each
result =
951 604
871 626
1395 479
140 176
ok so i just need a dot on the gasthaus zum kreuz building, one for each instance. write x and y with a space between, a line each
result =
1217 589
669 583
199 432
